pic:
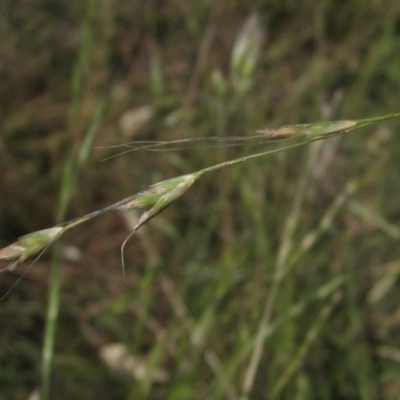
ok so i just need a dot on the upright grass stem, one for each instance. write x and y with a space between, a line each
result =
280 270
67 185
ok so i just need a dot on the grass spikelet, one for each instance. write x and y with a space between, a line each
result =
160 196
311 131
29 245
320 130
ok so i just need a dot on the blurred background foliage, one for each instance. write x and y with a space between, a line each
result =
275 279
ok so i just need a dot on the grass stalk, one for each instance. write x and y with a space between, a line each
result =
310 338
280 269
67 185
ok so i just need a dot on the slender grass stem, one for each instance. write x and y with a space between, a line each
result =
198 174
280 269
67 184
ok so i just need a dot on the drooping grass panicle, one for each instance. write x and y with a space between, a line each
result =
162 194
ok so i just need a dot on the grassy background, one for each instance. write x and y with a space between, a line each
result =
276 279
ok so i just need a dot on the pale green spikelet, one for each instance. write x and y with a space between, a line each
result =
320 130
29 245
159 196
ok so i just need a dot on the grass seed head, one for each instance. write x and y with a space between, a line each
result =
170 188
319 130
167 192
29 245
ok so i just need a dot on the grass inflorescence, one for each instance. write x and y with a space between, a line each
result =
162 194
274 278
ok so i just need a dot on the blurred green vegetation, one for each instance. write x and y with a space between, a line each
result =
275 279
